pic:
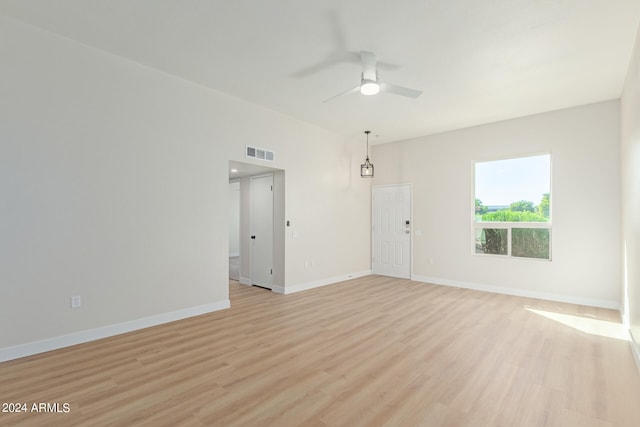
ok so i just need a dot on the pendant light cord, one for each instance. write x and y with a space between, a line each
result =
367 132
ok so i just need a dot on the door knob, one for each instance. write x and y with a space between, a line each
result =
253 237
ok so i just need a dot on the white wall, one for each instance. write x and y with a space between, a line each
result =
113 186
630 173
234 218
584 145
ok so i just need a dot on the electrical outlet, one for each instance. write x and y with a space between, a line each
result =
76 301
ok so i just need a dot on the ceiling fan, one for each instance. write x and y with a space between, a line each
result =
369 83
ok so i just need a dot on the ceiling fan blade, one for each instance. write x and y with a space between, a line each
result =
346 92
328 62
368 66
337 31
331 60
386 66
399 90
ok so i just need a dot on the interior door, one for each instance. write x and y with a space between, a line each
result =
262 230
392 230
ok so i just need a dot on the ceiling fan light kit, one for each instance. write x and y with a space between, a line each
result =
369 87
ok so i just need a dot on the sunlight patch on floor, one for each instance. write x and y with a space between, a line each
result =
593 326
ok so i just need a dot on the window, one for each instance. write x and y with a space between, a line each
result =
512 214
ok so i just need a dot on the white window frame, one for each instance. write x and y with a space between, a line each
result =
509 225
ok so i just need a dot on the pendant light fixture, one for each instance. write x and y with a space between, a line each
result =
366 169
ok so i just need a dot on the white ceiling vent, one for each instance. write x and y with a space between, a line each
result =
260 153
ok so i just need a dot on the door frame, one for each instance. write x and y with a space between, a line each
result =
373 189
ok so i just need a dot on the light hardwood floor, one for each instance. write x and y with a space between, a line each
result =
369 352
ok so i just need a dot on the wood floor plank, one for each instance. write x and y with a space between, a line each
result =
372 351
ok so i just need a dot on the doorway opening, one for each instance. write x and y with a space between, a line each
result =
259 217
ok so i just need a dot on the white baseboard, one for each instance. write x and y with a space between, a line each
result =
635 350
35 347
245 280
277 289
592 302
289 289
234 254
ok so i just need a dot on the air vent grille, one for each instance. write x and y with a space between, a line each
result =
260 153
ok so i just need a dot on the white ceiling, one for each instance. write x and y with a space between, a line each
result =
476 61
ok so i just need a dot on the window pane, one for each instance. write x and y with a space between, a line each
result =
513 190
530 242
491 241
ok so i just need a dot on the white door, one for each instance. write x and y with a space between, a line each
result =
392 230
262 230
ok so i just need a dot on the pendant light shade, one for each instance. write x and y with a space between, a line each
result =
366 169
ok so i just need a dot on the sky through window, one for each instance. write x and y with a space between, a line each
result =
502 182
